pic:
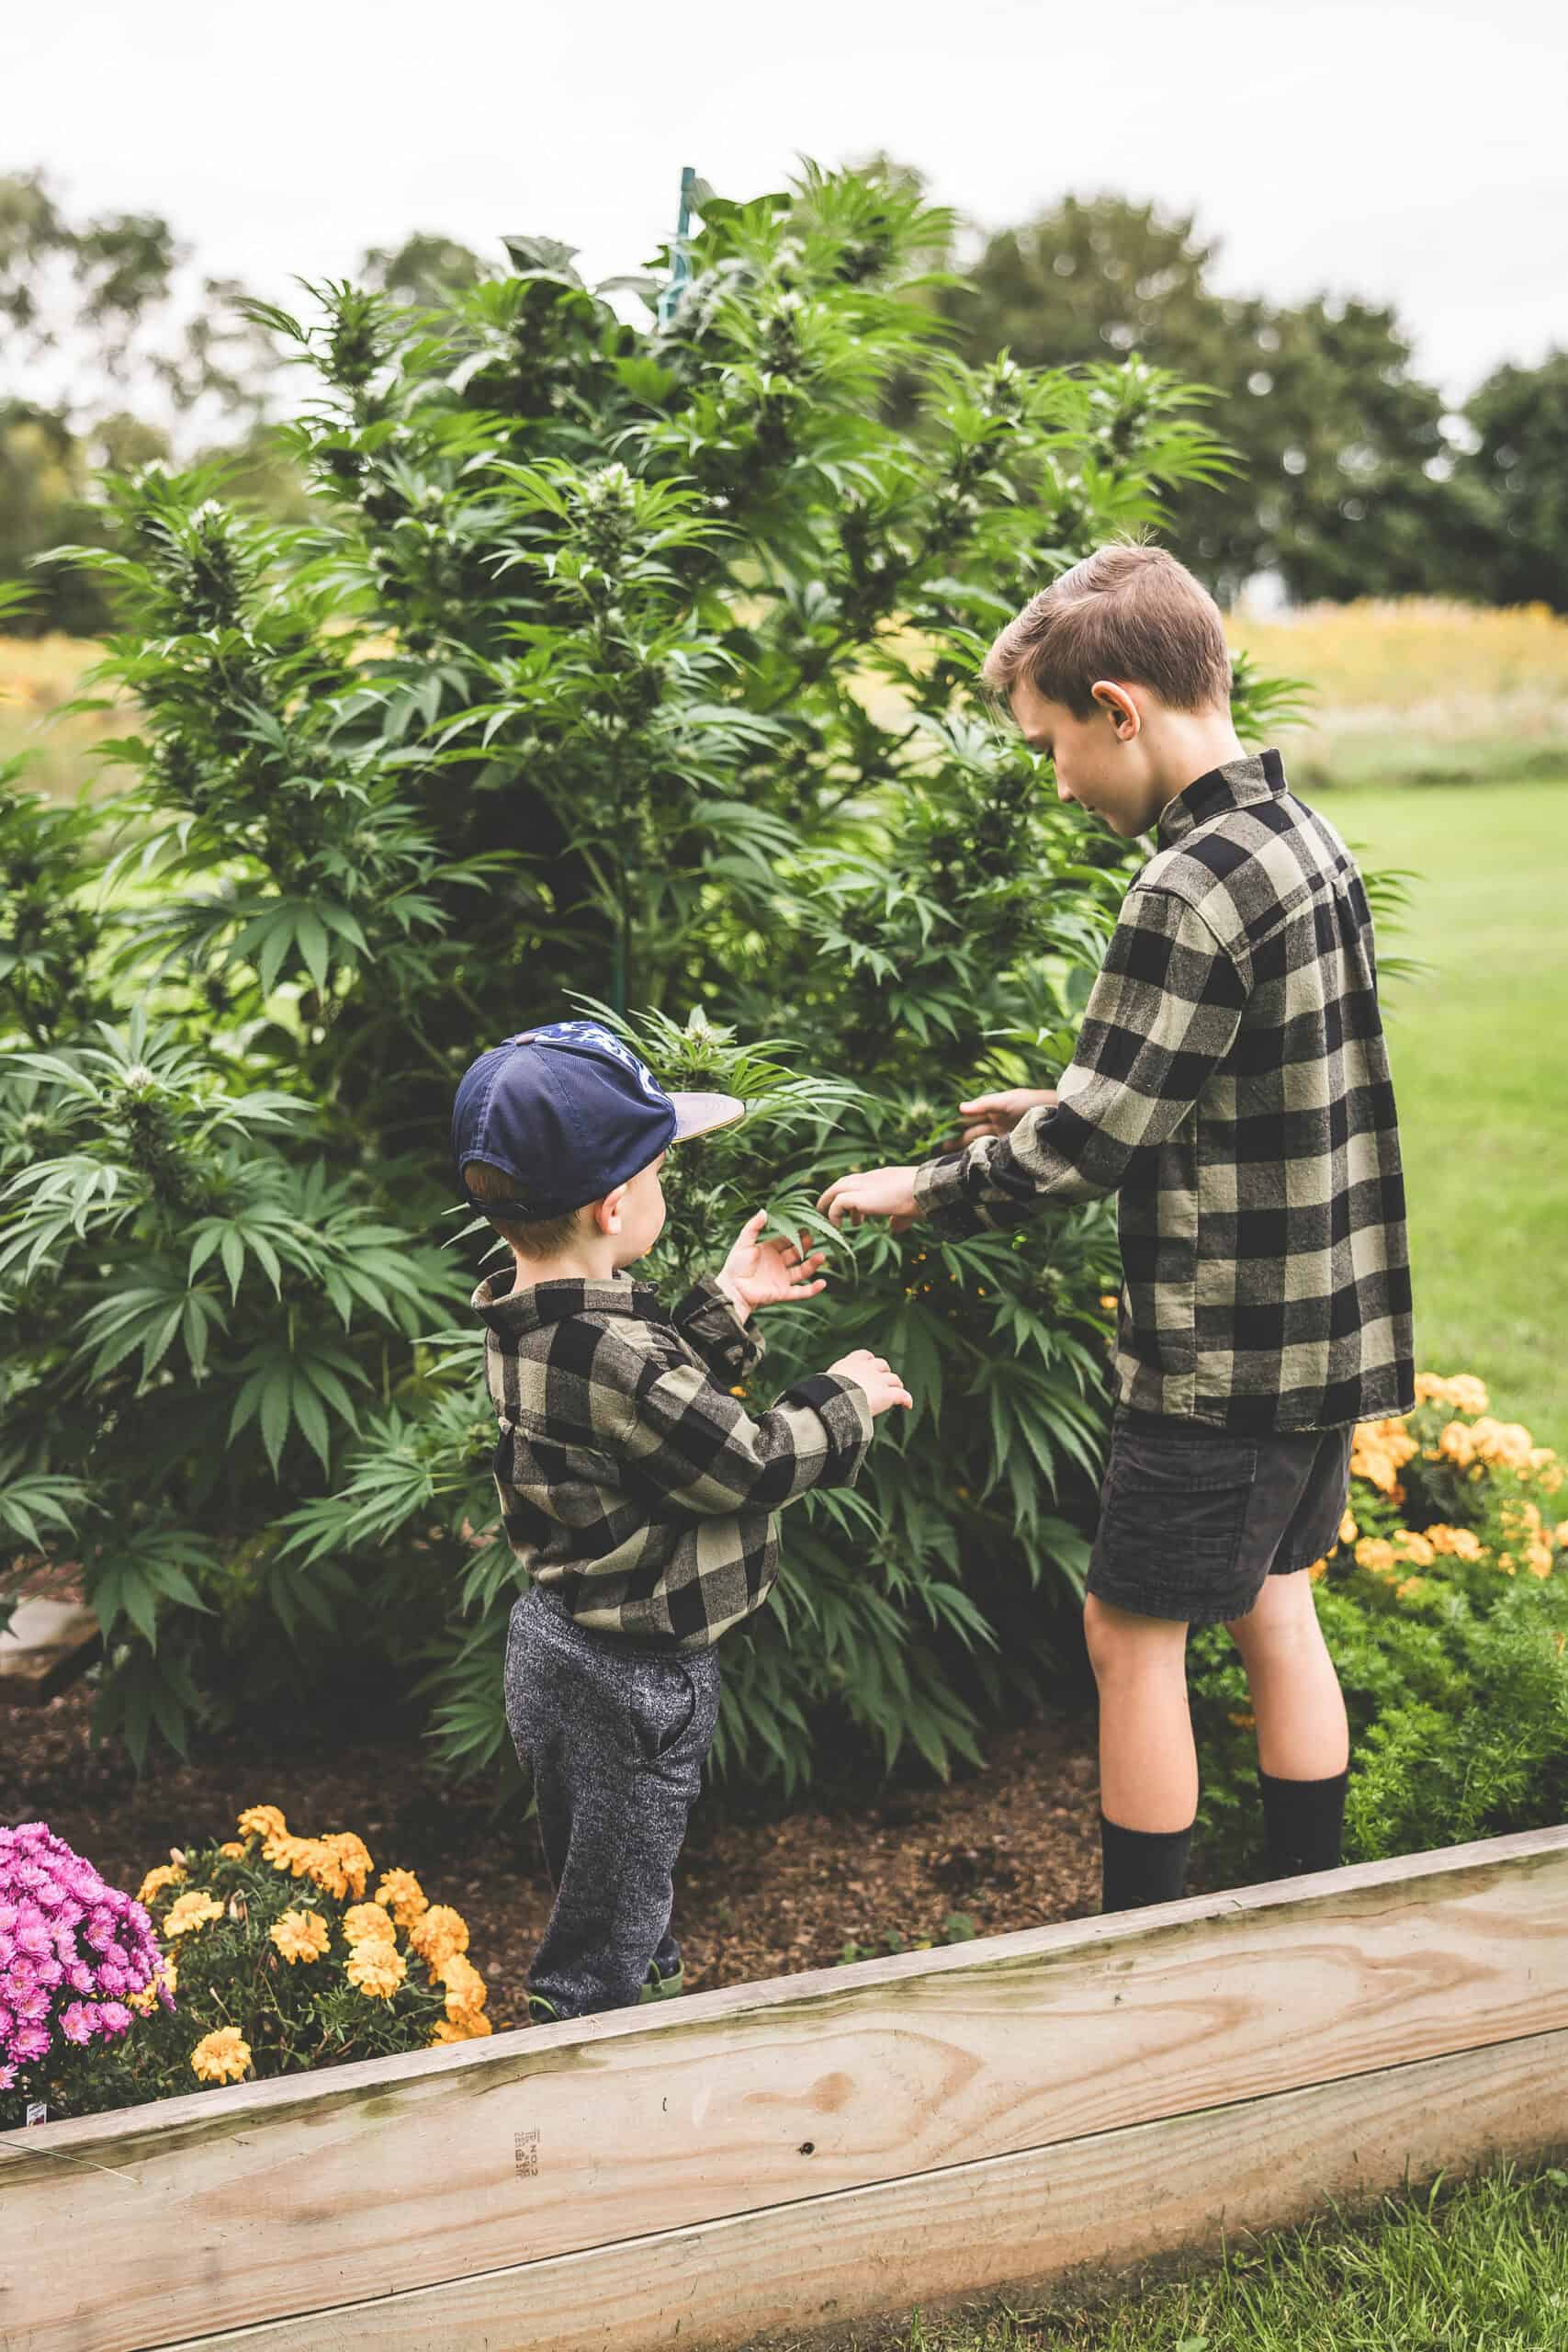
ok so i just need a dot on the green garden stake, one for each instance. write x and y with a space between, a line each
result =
680 268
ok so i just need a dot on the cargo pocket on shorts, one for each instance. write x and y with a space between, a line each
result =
1178 1506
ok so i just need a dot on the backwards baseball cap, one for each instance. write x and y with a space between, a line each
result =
568 1111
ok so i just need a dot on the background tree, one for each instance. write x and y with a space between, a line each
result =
1341 456
1515 550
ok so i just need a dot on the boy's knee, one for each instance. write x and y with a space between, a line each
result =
1119 1641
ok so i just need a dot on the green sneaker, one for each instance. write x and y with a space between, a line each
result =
661 1987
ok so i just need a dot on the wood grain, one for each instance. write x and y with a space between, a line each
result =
1009 2223
299 2195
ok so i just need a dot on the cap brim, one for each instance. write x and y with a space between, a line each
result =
699 1114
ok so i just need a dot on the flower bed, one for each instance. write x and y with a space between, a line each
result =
1445 1605
262 1955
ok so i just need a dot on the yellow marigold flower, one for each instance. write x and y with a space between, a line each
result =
1456 1542
1550 1478
367 1923
301 1935
1318 1570
402 1895
189 1911
147 1999
1456 1443
1432 1389
464 1986
262 1821
279 1848
1110 1302
1468 1392
223 2056
471 2028
376 1968
438 1934
1374 1552
153 1886
1505 1562
353 1857
1537 1559
1508 1442
1415 1549
1348 1529
232 1848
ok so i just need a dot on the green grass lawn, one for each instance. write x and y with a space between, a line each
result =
1481 1072
1482 2268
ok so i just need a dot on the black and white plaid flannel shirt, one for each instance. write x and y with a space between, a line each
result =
632 1484
1231 1084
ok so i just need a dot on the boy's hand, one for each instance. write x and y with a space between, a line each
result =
998 1115
870 1373
765 1273
872 1192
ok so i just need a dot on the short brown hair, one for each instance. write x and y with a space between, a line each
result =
541 1240
1126 612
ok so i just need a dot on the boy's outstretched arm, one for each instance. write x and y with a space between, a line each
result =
1161 1017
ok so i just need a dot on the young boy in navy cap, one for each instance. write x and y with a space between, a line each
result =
634 1488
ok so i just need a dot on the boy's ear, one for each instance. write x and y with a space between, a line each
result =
607 1212
1119 707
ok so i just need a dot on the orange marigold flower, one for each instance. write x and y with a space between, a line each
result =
262 1821
189 1911
232 1848
354 1858
471 2028
367 1923
1348 1529
1374 1552
301 1935
1468 1392
439 1932
1415 1549
153 1886
1537 1559
1318 1570
402 1895
463 1984
223 2056
376 1968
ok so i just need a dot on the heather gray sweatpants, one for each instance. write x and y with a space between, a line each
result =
613 1736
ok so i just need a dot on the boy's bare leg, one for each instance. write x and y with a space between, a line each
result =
1303 1745
1296 1698
1148 1770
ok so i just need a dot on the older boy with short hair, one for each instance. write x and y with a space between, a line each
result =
1230 1084
635 1488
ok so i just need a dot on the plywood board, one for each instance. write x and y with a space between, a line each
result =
1007 2224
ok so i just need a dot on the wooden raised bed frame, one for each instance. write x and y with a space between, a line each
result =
823 2148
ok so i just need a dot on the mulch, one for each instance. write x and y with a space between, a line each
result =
759 1894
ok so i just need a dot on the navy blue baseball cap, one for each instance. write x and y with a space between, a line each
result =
568 1111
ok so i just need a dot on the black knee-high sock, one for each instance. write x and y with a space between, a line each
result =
1305 1822
1141 1866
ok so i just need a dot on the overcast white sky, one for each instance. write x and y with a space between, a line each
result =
1411 150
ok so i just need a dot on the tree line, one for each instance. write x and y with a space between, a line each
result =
1349 474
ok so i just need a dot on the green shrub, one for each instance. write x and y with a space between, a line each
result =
1445 1607
623 663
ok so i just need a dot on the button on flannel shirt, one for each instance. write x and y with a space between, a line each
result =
1231 1084
632 1483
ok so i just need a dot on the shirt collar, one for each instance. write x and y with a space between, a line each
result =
510 1309
1240 784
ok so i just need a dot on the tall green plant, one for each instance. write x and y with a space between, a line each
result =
627 663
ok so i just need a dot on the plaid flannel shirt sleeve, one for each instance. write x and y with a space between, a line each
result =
1162 1014
696 1446
707 1322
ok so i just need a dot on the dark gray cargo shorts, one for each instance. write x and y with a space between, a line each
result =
1193 1521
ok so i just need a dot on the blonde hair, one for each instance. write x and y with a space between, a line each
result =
544 1239
1126 613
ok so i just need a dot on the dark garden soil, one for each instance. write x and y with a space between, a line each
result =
1013 1845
